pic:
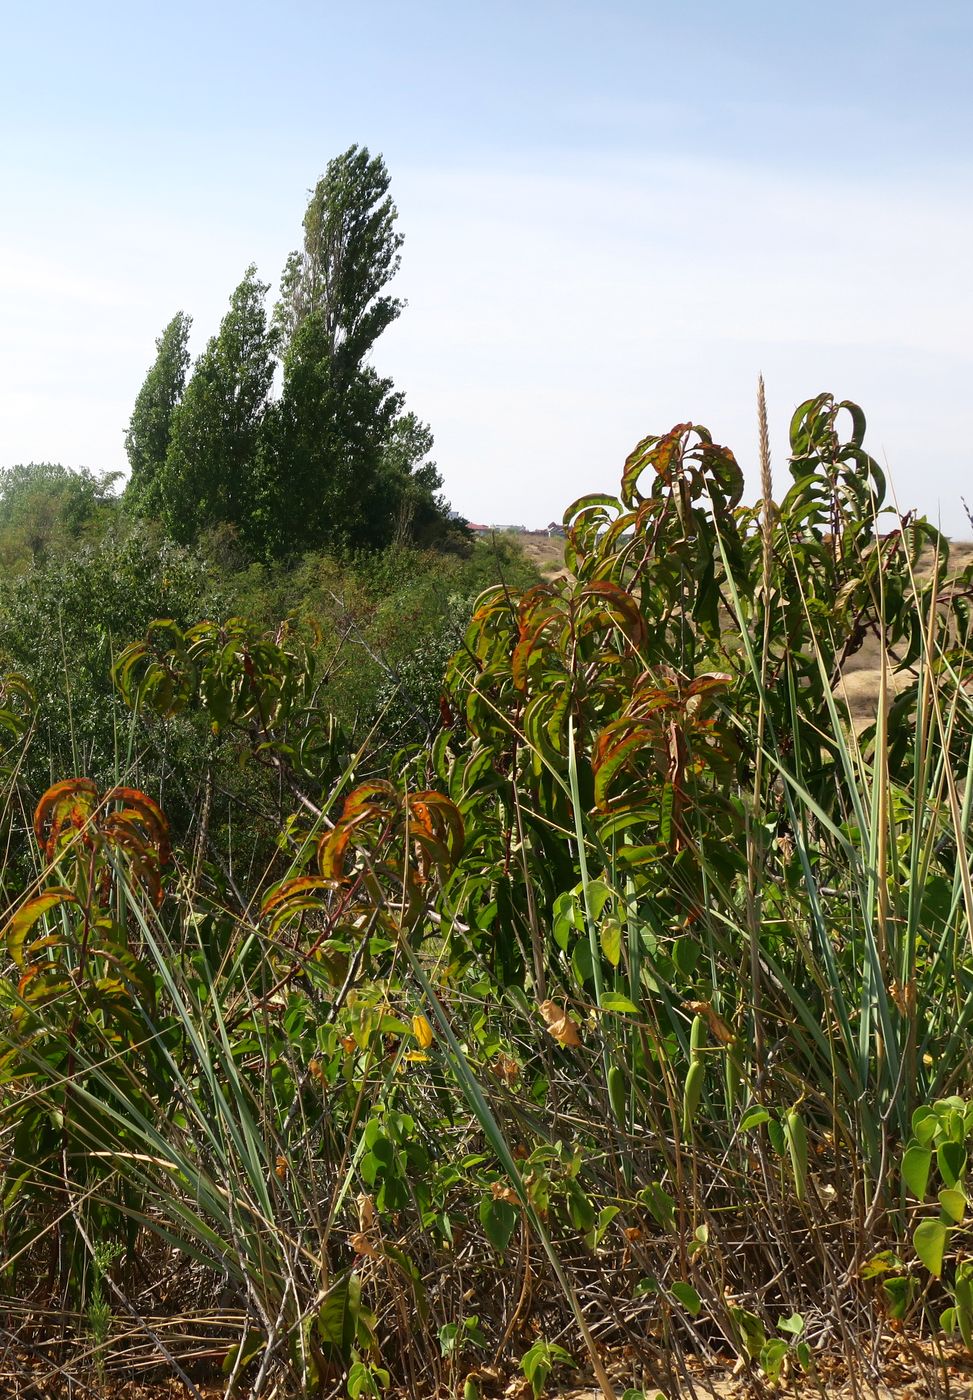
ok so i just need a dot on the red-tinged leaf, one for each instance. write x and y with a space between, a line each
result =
523 651
73 793
331 852
707 682
41 983
27 916
721 467
139 806
616 746
23 985
332 848
539 596
648 702
376 795
662 454
292 889
441 819
620 608
491 603
597 503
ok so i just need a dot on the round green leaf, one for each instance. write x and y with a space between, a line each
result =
930 1244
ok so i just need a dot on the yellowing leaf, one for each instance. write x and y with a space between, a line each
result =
361 1244
422 1031
504 1193
611 940
506 1069
718 1028
559 1024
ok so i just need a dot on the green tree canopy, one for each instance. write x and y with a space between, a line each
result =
350 254
346 456
46 508
209 473
330 433
150 427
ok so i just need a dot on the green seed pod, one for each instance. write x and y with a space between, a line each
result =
692 1094
796 1135
734 1075
616 1094
697 1035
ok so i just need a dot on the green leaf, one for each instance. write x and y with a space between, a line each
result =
611 941
793 1325
598 896
899 1293
881 1263
924 1123
540 1360
661 1204
930 1244
338 1315
615 1001
953 1203
580 1209
951 1161
605 1217
498 1218
915 1170
688 1297
581 962
254 1345
361 1381
750 1329
685 955
771 1357
568 919
753 1119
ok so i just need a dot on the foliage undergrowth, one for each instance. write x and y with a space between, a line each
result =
627 1008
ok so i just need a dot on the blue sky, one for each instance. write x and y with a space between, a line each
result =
615 217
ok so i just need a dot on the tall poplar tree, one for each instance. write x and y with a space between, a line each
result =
212 464
340 476
150 427
350 254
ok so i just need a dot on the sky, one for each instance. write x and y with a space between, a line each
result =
616 215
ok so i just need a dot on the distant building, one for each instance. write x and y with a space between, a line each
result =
479 529
555 531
